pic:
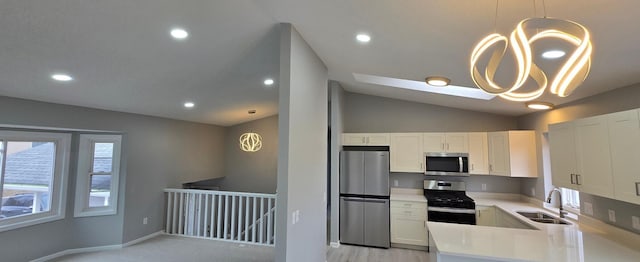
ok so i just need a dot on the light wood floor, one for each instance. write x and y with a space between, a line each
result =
348 253
174 248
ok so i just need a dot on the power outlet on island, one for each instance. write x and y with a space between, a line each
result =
612 216
636 222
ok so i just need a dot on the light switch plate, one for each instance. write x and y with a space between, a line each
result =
612 215
636 222
293 217
588 208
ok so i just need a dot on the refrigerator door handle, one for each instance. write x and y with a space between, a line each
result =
356 199
374 201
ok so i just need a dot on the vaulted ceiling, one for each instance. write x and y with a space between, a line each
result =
122 57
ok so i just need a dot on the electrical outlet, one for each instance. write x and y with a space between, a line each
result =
612 216
636 222
588 208
293 217
533 191
395 182
484 187
145 220
298 215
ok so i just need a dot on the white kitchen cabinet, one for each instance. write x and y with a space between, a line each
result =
478 153
562 150
593 156
513 153
406 154
409 223
445 142
365 139
486 216
624 143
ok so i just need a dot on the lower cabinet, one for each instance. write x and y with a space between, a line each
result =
486 216
409 223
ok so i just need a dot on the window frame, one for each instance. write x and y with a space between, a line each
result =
567 196
58 196
83 175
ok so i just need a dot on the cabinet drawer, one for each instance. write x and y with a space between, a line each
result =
415 213
409 204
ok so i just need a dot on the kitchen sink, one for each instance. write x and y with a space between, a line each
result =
543 218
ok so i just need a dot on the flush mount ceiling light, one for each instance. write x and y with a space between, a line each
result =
250 142
570 75
189 104
179 33
268 82
61 77
553 54
363 38
437 81
539 105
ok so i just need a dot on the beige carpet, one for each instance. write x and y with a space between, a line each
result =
173 248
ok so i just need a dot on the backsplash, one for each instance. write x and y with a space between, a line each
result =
601 206
474 183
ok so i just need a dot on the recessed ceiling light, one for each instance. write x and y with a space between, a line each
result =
437 81
189 104
61 77
553 54
539 105
268 82
363 38
179 33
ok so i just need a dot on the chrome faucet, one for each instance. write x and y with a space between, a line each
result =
562 211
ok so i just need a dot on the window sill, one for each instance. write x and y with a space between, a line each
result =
95 213
24 222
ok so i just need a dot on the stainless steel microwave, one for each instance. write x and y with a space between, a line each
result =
446 164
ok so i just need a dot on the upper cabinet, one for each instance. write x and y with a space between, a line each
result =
478 153
445 142
624 141
406 154
513 153
365 139
596 155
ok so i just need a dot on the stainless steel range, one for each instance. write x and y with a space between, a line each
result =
448 202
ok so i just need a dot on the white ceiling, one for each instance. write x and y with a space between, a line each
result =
122 58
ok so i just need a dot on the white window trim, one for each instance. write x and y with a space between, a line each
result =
85 156
60 178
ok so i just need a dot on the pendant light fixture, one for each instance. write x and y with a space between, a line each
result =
570 75
250 142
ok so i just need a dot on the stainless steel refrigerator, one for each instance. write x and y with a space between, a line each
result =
364 198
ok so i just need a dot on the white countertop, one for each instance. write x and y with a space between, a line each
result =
407 194
548 243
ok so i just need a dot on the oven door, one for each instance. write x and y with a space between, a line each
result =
452 215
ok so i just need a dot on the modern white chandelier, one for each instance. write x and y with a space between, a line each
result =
570 75
250 142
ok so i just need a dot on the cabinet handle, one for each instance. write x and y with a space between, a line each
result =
442 146
637 188
572 175
447 146
578 179
490 167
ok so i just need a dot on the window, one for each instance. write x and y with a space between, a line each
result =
98 175
33 174
570 199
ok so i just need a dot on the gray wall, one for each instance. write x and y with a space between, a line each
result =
302 160
157 153
621 99
251 171
364 113
337 124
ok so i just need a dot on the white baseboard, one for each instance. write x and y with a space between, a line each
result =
334 244
98 248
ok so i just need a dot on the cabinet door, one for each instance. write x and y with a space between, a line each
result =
434 142
486 216
457 142
478 151
562 151
408 228
375 139
354 139
593 156
499 153
406 152
624 141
